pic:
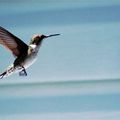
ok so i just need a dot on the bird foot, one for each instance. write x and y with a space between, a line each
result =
23 72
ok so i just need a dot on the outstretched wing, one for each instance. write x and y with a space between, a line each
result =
12 43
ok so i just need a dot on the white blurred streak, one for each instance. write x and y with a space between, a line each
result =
113 115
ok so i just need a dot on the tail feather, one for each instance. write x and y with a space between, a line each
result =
11 69
3 74
8 72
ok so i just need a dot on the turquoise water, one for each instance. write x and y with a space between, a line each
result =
60 104
77 75
53 100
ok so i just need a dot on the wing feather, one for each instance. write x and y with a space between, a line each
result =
12 43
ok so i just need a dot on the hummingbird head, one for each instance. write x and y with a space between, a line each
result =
37 39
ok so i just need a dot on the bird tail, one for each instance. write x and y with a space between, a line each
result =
9 71
3 75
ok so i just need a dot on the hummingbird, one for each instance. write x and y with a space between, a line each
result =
25 55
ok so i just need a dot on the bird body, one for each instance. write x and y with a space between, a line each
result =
25 54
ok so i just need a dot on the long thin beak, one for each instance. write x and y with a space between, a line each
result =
52 35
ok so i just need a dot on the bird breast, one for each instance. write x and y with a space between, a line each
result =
31 56
29 60
32 49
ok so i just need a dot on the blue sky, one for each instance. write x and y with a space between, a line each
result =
88 47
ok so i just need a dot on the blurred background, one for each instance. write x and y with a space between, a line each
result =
77 74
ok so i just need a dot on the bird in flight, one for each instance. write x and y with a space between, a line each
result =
25 55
